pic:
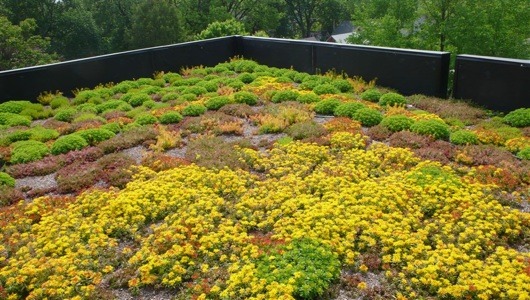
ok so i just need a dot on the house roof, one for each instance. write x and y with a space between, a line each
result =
344 27
339 38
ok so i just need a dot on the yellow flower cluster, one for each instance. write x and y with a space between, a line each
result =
202 231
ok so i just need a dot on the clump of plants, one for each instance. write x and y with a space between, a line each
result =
368 116
68 143
65 114
407 139
282 96
305 130
327 106
194 110
11 119
145 119
246 98
347 109
308 98
326 88
397 123
392 99
170 117
435 128
371 95
94 136
518 118
463 137
27 151
216 103
524 153
6 180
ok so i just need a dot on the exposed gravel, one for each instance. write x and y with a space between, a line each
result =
135 153
144 294
37 182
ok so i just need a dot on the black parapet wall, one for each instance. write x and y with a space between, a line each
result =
408 71
28 83
496 83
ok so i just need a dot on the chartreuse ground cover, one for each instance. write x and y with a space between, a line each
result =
333 186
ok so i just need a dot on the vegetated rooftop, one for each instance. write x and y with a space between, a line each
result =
243 181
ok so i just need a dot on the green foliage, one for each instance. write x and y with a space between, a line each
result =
282 96
65 114
518 118
114 127
372 95
236 84
14 106
246 98
368 116
327 106
397 123
215 103
145 119
435 128
20 47
343 85
42 134
524 153
196 90
138 99
94 136
210 86
194 110
67 143
325 88
246 77
347 109
313 261
10 119
27 151
170 117
463 137
6 180
220 29
155 23
59 102
86 96
187 97
308 98
392 99
170 96
109 105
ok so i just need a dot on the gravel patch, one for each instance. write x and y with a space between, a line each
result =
144 294
37 182
136 153
177 152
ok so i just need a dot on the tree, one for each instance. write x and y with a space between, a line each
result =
225 28
303 13
19 47
155 23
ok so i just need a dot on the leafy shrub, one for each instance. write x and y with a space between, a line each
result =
124 86
246 97
170 96
368 116
114 169
392 99
59 102
238 110
517 144
128 139
282 96
397 123
14 106
77 177
236 84
6 180
325 88
10 119
306 129
95 135
27 151
435 128
244 65
371 95
194 110
378 132
524 153
170 117
407 139
284 79
9 195
87 108
109 105
187 97
86 96
347 109
145 119
463 137
223 28
138 99
68 143
195 90
308 98
310 264
518 118
246 77
343 85
309 84
42 134
327 106
347 140
65 114
88 117
215 103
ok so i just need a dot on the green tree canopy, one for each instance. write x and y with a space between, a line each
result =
225 28
20 47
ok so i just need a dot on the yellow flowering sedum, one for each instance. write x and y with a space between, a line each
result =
203 232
